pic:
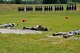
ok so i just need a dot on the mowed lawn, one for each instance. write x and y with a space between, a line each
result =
39 43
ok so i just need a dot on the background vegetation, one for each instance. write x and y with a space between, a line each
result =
40 1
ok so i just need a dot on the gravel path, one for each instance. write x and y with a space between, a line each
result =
18 31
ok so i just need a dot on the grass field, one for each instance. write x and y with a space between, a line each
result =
39 43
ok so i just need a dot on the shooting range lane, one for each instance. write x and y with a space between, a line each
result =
18 31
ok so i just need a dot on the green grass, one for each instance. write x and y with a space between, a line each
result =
39 43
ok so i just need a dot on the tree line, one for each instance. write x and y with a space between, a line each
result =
40 1
60 1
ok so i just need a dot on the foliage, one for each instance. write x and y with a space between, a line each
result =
41 1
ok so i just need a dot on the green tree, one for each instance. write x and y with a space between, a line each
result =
63 1
56 1
51 1
1 1
75 0
18 1
79 1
